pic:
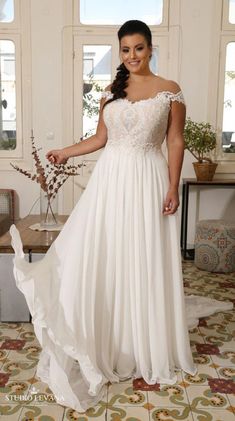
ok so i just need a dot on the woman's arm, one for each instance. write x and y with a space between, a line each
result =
91 144
175 146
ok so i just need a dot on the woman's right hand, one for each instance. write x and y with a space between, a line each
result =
57 156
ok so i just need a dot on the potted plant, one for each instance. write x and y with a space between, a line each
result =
200 138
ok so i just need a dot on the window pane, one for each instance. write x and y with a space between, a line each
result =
232 11
6 10
96 76
7 95
106 12
228 127
154 60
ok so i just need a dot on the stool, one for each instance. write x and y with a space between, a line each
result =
215 245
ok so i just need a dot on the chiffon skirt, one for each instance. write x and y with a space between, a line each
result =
107 299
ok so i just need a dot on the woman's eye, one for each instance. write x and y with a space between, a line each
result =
140 48
125 50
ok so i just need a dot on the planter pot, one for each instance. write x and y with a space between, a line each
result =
48 210
204 170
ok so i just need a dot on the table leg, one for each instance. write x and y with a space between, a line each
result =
182 216
185 229
30 261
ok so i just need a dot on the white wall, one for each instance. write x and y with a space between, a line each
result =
47 22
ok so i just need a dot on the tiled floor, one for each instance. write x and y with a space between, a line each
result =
209 396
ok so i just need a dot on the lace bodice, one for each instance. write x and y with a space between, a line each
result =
140 125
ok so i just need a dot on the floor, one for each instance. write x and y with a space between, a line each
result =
209 396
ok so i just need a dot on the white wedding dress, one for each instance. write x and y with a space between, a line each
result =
107 299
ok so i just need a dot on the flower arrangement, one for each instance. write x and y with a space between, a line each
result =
51 178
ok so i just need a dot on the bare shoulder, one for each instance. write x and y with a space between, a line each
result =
173 86
162 84
108 88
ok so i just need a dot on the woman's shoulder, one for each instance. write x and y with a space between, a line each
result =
106 93
108 88
167 85
171 89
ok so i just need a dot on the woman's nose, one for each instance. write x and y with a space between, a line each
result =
132 53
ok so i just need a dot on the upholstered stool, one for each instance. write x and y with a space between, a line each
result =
215 245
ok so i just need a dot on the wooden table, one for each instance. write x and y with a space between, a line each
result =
33 241
188 254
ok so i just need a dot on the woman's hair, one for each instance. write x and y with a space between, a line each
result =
120 82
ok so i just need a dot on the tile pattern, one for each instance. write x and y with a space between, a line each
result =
207 396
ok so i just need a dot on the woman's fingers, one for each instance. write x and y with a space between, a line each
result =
170 206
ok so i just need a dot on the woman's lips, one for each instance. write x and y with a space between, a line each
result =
134 63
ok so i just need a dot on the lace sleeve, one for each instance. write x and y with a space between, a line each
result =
107 95
178 97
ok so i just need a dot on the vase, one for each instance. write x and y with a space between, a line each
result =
204 170
48 210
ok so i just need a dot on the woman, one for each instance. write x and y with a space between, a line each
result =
107 299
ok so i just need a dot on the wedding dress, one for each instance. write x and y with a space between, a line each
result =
107 299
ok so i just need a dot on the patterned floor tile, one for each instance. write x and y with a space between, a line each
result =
34 412
29 337
205 372
225 358
9 331
231 398
195 337
124 395
11 412
171 414
14 392
127 413
214 415
99 413
141 384
27 326
203 397
20 370
226 373
30 352
169 395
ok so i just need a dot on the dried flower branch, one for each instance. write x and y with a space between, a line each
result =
52 177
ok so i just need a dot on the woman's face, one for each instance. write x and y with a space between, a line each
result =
135 53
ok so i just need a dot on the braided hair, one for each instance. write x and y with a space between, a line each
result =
121 80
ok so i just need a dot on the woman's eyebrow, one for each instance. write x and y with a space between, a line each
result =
125 46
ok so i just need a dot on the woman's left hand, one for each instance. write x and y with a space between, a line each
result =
171 202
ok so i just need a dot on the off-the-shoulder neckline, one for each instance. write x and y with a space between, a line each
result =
150 98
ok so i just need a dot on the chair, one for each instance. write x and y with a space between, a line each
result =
7 209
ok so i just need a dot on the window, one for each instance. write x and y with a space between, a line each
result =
14 73
232 11
106 12
228 125
226 89
6 10
96 75
7 95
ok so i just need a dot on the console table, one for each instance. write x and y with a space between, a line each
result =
12 302
188 254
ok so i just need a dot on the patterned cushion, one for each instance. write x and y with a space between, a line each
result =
215 245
